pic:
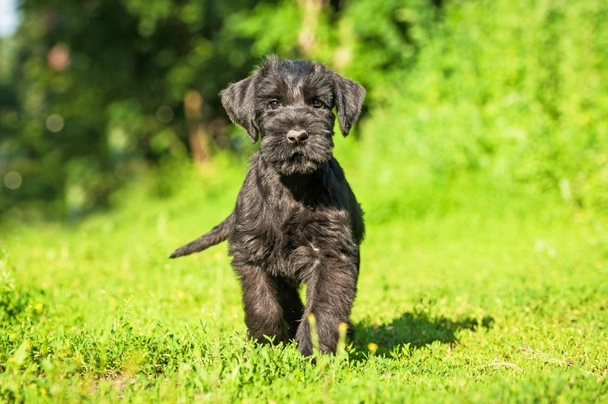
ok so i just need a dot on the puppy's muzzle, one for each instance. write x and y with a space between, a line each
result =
296 137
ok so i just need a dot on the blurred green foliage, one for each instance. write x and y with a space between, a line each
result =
95 93
512 93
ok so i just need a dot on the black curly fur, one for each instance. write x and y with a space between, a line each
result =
296 220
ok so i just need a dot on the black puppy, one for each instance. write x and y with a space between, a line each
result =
296 220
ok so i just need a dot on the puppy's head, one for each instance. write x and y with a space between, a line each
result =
289 105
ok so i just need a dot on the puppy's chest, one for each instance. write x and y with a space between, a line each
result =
307 238
299 238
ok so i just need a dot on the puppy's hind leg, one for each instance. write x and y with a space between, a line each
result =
290 301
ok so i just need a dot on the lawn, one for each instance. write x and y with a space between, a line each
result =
463 297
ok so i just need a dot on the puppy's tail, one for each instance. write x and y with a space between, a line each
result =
218 234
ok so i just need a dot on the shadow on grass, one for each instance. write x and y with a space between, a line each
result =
415 330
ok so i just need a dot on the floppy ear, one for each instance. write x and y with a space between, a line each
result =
238 101
349 96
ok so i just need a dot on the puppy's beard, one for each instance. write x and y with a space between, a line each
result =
288 160
298 163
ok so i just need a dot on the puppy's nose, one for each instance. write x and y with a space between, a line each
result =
297 136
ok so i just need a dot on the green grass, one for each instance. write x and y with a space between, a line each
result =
471 298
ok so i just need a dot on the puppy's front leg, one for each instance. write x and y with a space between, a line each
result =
262 304
329 296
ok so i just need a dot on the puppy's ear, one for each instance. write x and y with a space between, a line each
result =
238 101
348 98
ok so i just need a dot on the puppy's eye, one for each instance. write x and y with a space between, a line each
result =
274 104
317 103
